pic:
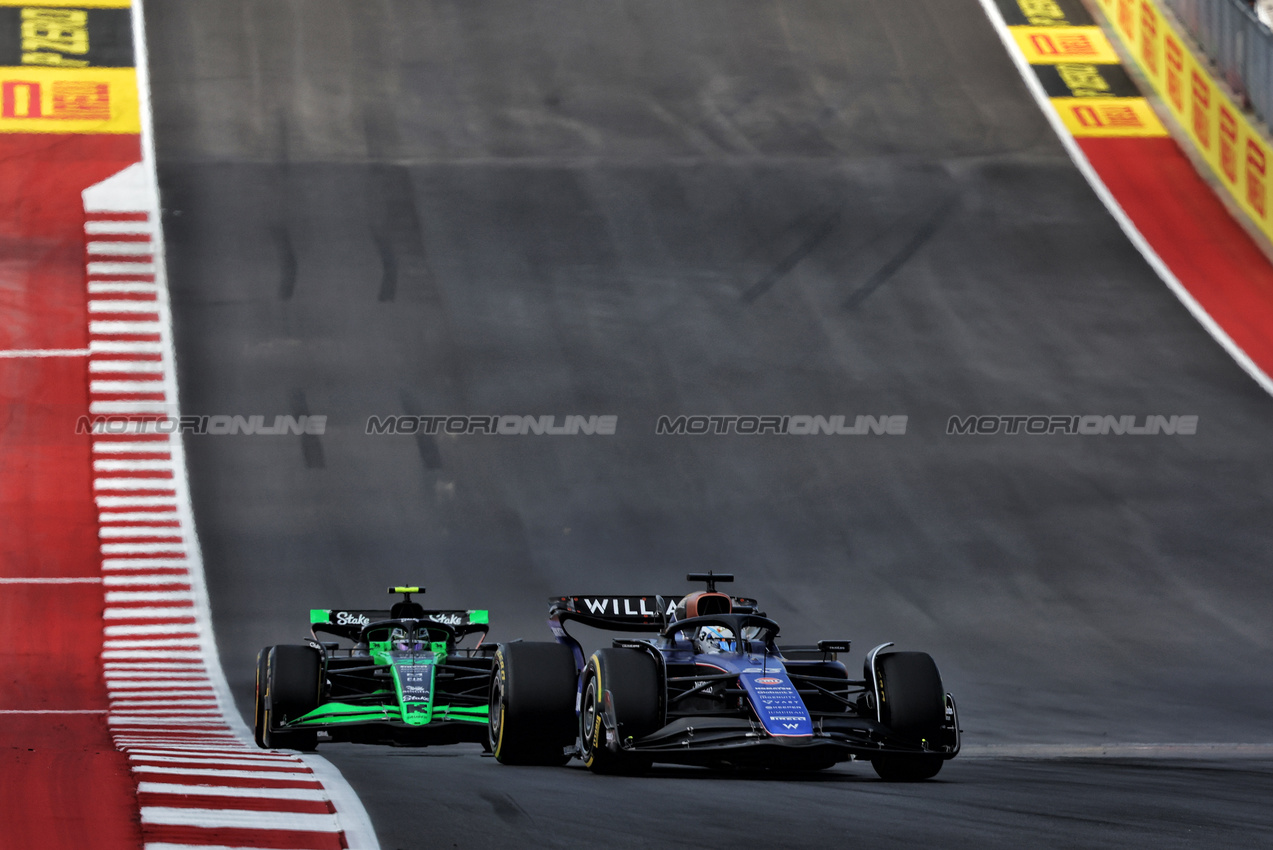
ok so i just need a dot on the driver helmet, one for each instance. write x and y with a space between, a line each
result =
400 642
716 639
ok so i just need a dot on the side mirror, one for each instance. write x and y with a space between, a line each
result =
834 646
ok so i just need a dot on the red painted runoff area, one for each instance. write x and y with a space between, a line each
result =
62 782
1188 226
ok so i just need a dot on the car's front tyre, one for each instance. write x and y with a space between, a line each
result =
913 706
292 678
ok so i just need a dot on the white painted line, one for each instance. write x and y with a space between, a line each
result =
117 227
181 644
120 446
145 613
207 714
240 751
100 287
155 676
146 367
311 794
42 352
110 327
238 819
105 407
84 580
132 484
148 596
126 386
206 751
136 580
301 772
189 665
157 685
120 248
121 268
1107 198
213 719
138 654
122 347
129 465
211 760
148 629
159 845
153 738
129 704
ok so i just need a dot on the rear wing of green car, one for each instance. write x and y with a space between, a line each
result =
348 623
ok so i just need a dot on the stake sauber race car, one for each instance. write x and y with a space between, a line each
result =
393 677
713 688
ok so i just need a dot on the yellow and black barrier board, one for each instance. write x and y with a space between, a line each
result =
1104 117
1085 79
66 37
1081 72
71 4
69 100
1049 45
1045 13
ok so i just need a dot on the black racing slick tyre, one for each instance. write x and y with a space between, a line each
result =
913 706
630 678
532 715
293 678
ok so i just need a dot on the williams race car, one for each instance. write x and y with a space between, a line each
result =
390 677
713 688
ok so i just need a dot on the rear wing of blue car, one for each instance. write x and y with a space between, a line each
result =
626 613
348 624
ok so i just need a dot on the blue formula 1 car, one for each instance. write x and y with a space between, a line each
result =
713 688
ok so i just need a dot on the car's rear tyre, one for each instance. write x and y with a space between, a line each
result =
631 679
532 714
293 685
913 706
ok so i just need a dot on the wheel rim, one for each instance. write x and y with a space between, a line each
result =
496 713
588 717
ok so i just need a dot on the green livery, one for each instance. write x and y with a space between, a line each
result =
402 676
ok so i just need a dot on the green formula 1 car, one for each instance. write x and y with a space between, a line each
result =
390 677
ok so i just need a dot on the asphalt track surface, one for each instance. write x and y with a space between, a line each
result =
717 208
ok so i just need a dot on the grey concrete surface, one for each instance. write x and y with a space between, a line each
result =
718 208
